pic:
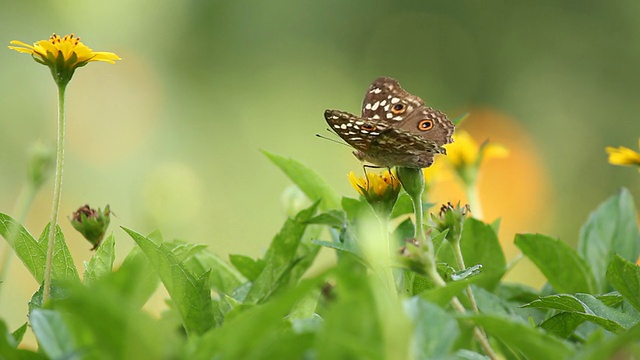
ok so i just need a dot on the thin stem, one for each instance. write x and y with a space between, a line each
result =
57 194
457 306
457 252
474 201
387 267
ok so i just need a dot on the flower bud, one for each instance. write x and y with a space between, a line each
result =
91 224
451 218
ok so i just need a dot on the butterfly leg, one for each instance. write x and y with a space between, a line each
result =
364 168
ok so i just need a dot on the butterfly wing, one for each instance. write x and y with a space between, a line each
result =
356 131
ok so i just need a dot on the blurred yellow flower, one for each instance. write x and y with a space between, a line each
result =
465 151
465 156
624 156
63 55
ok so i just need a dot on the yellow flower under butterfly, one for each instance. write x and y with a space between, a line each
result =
379 189
624 156
63 55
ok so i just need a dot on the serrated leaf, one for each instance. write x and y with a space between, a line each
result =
190 294
611 229
624 276
54 336
563 324
247 266
565 270
519 336
435 330
279 258
25 246
307 180
222 277
101 263
63 266
586 307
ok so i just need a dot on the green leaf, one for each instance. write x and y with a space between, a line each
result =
588 308
624 276
480 245
247 266
54 336
489 303
611 347
435 330
8 346
566 271
101 262
563 324
611 229
19 333
307 180
280 258
136 278
333 218
190 295
223 277
403 206
258 332
25 246
105 323
443 295
63 266
519 336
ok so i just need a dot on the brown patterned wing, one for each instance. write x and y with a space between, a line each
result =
356 131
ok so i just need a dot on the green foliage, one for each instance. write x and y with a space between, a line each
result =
273 308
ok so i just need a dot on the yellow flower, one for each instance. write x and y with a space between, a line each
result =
379 189
465 156
63 55
623 156
465 150
374 183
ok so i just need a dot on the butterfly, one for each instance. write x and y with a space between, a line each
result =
395 128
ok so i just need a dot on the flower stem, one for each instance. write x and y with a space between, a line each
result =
57 193
474 201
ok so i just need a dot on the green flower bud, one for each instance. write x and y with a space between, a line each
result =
91 224
412 180
451 218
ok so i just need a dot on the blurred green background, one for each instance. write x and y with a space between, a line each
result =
170 136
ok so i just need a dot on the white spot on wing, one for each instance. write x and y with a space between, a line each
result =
374 107
394 100
397 118
368 106
389 115
336 126
383 102
359 122
343 127
376 117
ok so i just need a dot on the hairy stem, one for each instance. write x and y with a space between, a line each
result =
57 193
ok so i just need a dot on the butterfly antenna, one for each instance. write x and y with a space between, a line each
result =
330 139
